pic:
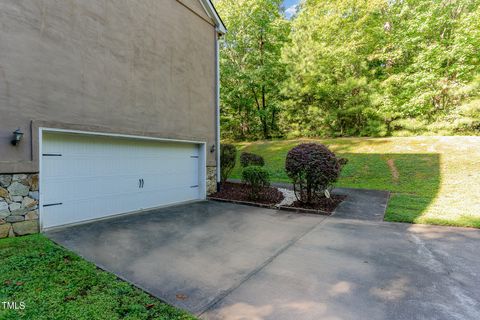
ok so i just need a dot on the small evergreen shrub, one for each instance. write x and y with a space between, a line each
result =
313 169
256 178
228 158
251 159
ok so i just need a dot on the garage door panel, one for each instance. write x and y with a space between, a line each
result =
89 177
167 196
72 211
84 167
66 189
92 187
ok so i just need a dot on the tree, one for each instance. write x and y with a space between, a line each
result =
350 68
251 69
432 58
360 67
332 67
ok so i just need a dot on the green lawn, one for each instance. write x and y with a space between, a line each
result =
433 180
56 284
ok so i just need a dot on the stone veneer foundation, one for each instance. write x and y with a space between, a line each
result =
18 204
211 180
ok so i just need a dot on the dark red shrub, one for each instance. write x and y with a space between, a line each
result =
313 169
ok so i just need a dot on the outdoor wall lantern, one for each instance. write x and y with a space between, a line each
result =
17 136
212 148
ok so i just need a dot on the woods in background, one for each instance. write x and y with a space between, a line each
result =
350 68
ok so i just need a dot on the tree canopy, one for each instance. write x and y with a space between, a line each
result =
350 68
251 67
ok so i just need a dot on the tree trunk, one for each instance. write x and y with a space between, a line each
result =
263 117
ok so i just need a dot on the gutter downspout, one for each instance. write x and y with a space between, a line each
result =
217 103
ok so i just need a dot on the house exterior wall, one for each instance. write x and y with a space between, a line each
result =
196 7
131 67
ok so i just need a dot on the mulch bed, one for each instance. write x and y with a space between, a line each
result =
325 205
241 192
271 197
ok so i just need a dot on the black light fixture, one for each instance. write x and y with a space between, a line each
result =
17 136
212 148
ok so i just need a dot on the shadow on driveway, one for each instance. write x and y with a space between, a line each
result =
227 261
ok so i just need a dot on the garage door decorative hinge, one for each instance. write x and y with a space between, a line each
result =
52 204
194 157
51 155
196 186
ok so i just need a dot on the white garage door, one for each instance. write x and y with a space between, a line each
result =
86 177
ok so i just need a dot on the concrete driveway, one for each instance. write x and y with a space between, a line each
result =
226 261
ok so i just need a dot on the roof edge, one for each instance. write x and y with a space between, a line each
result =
212 13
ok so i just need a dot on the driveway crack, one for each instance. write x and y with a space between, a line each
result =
259 268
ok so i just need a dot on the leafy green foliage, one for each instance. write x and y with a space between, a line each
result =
313 169
57 284
433 61
251 159
329 89
351 68
364 67
228 158
256 178
251 69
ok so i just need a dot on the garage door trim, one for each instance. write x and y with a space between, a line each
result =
202 153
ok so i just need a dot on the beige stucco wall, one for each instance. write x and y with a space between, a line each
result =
142 67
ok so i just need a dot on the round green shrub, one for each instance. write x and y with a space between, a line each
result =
228 158
256 178
251 159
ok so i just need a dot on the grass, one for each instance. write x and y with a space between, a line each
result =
433 180
56 284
